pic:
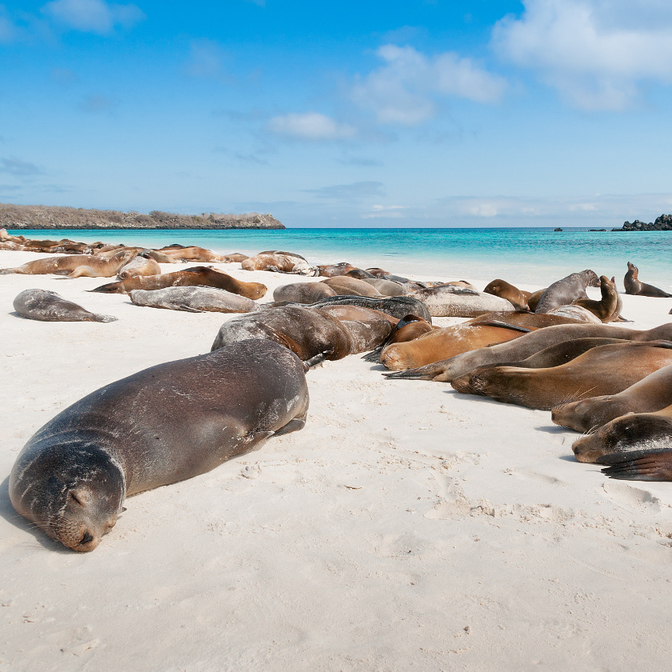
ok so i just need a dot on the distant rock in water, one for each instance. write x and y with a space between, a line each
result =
662 223
558 229
56 217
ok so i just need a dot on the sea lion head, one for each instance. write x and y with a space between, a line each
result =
627 433
73 492
591 278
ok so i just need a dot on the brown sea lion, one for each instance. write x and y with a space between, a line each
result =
165 424
278 262
628 433
408 328
449 300
76 265
197 275
396 306
576 313
367 328
533 299
386 287
194 299
333 270
506 290
344 285
652 393
607 369
526 345
191 253
633 285
303 292
439 344
523 319
48 306
608 308
567 290
140 265
234 257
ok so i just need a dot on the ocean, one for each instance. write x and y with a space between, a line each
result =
518 255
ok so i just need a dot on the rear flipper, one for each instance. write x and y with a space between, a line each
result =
427 372
640 465
373 356
292 426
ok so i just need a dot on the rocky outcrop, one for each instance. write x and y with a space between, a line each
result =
662 223
55 217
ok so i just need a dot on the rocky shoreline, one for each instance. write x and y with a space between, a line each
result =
662 223
56 217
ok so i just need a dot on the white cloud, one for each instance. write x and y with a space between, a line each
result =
310 126
595 52
93 16
387 211
205 60
402 91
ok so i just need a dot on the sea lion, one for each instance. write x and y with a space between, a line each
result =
606 369
48 306
448 300
633 285
234 257
526 345
567 290
140 265
347 286
652 393
523 319
279 262
307 332
608 308
367 328
408 328
439 344
506 290
191 253
533 299
396 306
194 299
386 287
165 424
303 292
197 275
574 312
75 265
332 270
360 274
627 433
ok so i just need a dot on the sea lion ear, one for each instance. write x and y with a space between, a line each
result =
81 495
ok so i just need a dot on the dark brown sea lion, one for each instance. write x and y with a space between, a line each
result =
347 286
75 265
439 344
307 332
607 369
48 306
523 319
608 308
359 273
627 433
526 345
278 262
506 290
449 300
407 328
333 270
159 426
367 328
303 292
567 290
533 299
650 394
634 286
197 275
396 306
194 299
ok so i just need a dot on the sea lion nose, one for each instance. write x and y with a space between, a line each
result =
86 538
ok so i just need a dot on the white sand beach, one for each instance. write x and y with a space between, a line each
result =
406 527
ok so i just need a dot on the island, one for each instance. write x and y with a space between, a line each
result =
662 223
57 217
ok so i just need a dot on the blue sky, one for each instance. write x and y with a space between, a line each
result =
414 113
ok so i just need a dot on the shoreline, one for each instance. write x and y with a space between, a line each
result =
405 525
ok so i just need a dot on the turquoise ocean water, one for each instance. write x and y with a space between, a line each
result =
519 255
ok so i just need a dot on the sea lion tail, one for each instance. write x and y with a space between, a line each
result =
641 465
109 288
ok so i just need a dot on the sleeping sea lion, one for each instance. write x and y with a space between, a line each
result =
194 299
48 306
75 265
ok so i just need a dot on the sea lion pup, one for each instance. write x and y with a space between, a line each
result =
650 394
279 262
634 286
396 306
506 290
303 292
526 345
439 344
48 306
75 265
162 425
567 290
448 300
194 299
191 253
196 275
627 434
346 286
307 332
234 257
408 328
332 270
606 369
608 308
140 265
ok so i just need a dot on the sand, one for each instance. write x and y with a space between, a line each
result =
406 527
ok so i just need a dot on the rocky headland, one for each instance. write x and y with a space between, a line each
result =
56 217
662 223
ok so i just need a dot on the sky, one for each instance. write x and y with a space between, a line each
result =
414 113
